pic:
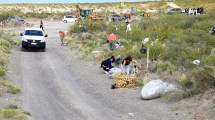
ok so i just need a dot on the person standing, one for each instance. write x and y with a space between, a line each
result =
148 14
112 41
128 29
125 66
62 35
41 24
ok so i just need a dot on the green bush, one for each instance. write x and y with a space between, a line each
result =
12 106
5 15
12 88
2 71
165 66
22 117
204 77
8 113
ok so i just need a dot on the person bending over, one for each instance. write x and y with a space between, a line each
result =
125 66
107 64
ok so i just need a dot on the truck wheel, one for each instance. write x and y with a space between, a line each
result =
43 49
23 49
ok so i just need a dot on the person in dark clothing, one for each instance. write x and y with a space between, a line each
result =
107 64
41 24
125 66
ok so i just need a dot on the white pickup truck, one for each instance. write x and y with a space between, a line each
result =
33 38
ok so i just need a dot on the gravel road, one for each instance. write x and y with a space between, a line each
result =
58 85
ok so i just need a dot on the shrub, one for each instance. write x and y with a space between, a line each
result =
204 77
12 88
22 117
5 15
184 81
167 66
2 71
8 113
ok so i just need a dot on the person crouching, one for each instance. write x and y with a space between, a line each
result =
107 64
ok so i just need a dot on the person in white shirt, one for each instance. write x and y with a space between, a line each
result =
128 29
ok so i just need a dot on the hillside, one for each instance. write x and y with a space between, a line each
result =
102 7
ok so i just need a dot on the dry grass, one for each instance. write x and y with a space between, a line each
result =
206 4
11 88
99 8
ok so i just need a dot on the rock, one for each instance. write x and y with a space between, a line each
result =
155 88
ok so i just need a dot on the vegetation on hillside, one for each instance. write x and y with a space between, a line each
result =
178 39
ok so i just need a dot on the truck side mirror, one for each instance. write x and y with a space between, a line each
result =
21 34
46 35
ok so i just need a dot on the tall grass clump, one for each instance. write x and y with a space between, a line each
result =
8 113
12 111
22 117
13 89
6 43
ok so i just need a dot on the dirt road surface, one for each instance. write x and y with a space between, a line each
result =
58 85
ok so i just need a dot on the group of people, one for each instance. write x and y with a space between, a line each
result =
194 11
62 33
125 64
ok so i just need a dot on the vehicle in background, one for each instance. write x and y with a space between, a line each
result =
69 18
116 17
87 15
174 10
15 17
127 16
33 38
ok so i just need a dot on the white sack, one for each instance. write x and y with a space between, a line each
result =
155 88
114 71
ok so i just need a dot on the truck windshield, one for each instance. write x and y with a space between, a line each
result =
33 33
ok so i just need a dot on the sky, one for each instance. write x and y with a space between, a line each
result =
63 1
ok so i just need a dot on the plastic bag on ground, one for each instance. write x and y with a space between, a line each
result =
155 88
114 71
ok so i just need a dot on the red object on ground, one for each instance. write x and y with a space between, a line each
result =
112 37
62 34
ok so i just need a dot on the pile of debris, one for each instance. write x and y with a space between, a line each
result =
124 81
